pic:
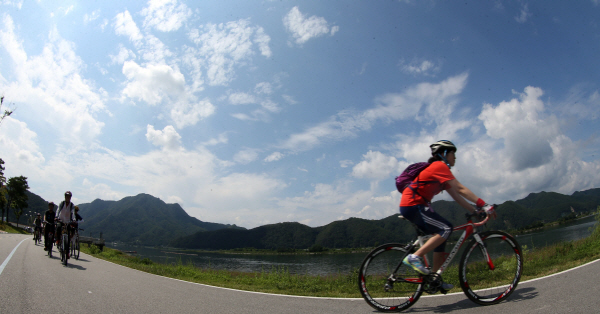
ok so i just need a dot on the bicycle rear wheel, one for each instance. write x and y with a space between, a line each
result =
65 249
76 250
490 281
385 283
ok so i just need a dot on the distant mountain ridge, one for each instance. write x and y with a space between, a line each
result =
357 232
142 219
145 219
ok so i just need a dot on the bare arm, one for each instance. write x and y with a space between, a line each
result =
461 194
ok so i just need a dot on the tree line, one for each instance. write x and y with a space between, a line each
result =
12 195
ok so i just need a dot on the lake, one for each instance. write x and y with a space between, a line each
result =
324 264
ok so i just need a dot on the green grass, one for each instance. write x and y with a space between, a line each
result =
11 229
537 263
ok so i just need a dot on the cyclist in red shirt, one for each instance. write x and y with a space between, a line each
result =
415 205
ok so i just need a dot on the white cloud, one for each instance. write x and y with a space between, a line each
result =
391 107
375 166
152 83
54 83
511 120
186 112
303 29
123 55
241 99
223 47
125 26
91 17
274 157
246 156
523 15
168 138
19 146
346 163
419 66
165 15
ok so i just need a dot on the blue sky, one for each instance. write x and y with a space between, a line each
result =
258 112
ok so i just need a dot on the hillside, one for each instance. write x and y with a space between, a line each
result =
357 232
142 219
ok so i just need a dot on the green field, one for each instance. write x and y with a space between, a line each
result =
537 263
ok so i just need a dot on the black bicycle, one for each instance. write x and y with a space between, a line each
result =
75 249
49 239
489 270
63 245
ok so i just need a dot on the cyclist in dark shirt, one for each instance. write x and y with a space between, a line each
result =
49 224
37 226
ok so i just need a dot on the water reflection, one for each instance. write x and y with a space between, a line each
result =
325 264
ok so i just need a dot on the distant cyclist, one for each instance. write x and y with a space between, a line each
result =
65 215
415 205
76 222
37 231
49 217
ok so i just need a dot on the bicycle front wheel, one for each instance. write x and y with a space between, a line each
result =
76 250
489 273
386 283
65 251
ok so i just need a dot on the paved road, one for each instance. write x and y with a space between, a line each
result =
30 282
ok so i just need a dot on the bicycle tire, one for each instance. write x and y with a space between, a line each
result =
374 283
66 252
76 249
49 238
482 284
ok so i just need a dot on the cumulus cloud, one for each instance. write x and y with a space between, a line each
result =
375 166
165 15
303 29
168 138
511 120
152 83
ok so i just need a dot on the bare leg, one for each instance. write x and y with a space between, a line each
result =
431 244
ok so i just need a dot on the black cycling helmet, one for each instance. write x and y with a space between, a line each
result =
39 214
68 193
442 148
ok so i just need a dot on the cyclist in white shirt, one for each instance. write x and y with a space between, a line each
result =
65 215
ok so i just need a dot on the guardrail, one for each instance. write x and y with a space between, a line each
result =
89 240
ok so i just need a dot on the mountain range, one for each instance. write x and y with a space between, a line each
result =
147 220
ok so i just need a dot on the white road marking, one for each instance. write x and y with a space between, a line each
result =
9 257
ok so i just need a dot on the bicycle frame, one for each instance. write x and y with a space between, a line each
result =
469 230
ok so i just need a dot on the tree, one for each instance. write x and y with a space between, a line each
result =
17 198
6 112
3 201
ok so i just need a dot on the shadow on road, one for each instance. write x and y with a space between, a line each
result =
75 266
517 296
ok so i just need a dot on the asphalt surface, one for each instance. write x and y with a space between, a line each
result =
31 282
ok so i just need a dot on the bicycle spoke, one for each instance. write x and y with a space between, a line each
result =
489 274
385 283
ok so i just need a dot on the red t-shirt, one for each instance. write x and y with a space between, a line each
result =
432 181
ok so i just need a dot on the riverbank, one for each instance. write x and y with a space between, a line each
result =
537 263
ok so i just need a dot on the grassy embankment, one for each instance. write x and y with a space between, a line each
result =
11 229
537 263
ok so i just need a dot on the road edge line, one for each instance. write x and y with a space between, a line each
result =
326 298
10 256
